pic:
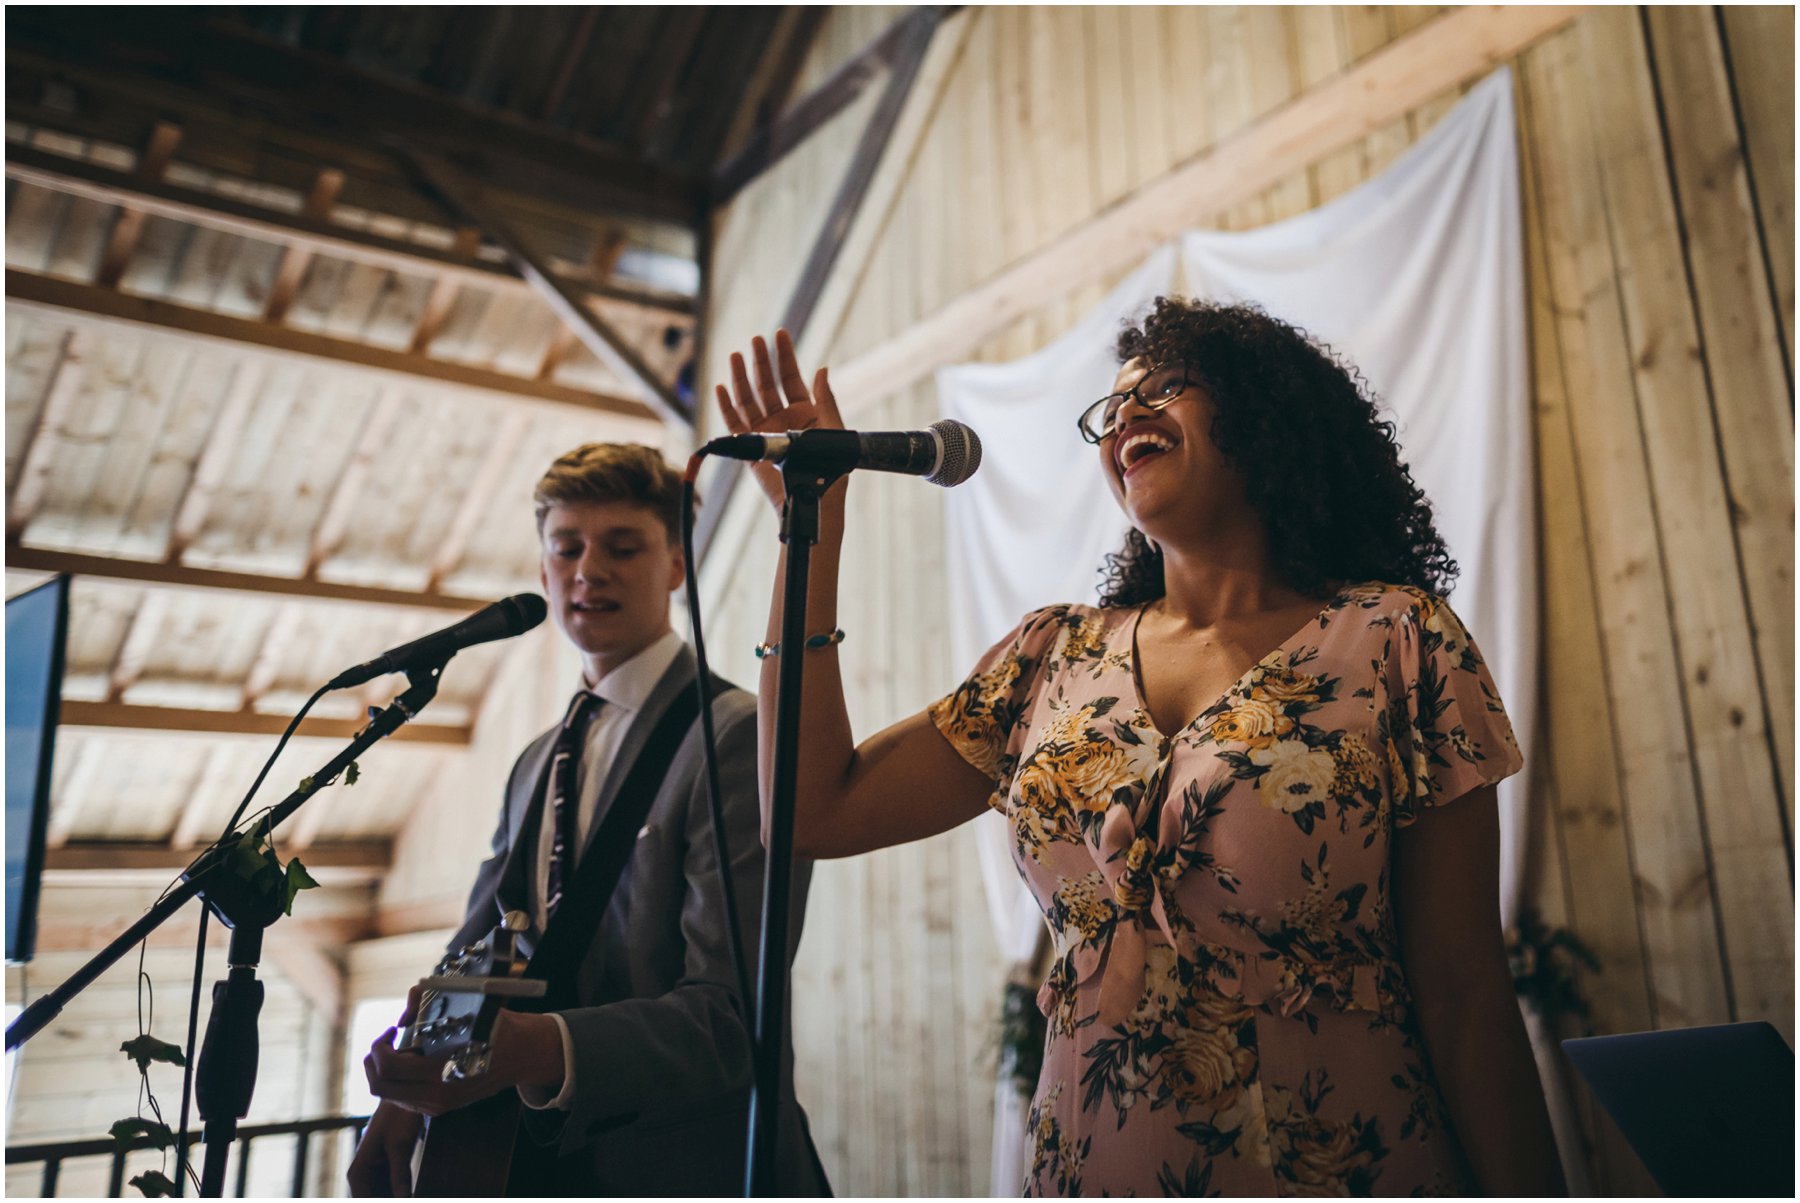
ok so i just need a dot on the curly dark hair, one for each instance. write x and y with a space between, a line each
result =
1343 508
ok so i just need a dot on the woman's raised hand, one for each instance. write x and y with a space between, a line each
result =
779 401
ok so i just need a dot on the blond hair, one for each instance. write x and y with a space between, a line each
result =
602 472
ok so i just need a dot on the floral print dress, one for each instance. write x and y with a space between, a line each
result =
1227 1013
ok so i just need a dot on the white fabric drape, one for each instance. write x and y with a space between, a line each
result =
1417 277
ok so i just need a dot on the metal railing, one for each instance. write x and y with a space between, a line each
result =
52 1155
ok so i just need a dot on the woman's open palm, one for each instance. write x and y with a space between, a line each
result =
777 401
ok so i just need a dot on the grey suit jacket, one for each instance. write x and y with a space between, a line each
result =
662 1044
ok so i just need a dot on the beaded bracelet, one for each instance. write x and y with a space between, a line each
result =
765 650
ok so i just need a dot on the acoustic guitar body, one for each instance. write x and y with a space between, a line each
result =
468 1153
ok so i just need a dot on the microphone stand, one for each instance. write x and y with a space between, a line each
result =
225 1076
799 532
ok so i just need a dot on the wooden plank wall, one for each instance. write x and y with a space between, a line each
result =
1657 158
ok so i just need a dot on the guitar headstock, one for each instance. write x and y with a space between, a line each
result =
461 999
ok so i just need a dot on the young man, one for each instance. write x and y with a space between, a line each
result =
642 1088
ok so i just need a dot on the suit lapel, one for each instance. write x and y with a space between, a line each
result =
674 679
516 877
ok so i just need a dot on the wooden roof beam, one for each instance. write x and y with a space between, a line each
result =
340 507
180 576
73 177
215 457
773 139
33 476
212 63
110 309
477 499
294 259
128 225
122 715
370 857
1460 45
607 345
444 292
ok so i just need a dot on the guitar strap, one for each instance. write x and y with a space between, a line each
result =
570 933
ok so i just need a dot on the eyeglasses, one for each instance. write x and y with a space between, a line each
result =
1154 390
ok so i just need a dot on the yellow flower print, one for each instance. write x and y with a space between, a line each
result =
1209 1067
1085 910
1356 765
1323 1160
1135 886
1085 641
1276 682
1297 775
1253 721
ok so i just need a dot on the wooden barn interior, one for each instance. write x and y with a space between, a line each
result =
300 301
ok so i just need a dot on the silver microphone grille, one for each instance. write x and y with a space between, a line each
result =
961 453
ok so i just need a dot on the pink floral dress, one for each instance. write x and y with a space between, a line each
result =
1227 1012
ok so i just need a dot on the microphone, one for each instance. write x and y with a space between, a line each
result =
947 453
505 618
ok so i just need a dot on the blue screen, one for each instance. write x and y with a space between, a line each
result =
34 628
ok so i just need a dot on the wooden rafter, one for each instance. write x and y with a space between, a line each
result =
767 91
604 262
238 722
128 226
33 476
477 498
107 308
151 58
1448 50
210 210
444 292
340 507
773 139
270 654
148 572
140 641
220 779
215 457
294 259
100 856
65 812
598 336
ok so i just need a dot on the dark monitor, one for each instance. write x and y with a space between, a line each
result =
36 624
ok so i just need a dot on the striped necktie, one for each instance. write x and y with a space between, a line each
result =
564 800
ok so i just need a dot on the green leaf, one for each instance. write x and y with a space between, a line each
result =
126 1131
297 879
306 783
147 1048
352 773
154 1184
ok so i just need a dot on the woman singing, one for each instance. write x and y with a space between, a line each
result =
1253 792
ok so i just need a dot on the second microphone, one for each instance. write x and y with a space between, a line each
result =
946 453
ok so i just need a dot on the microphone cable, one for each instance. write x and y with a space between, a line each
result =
709 740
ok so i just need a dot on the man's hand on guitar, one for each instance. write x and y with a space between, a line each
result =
382 1167
527 1051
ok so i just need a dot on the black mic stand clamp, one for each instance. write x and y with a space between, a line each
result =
805 485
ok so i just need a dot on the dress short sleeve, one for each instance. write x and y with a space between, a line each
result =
984 718
1449 731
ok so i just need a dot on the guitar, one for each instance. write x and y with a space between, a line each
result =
468 1152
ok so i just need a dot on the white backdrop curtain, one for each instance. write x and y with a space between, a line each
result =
1417 277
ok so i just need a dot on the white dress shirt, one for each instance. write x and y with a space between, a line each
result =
624 691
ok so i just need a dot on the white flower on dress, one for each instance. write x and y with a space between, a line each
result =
1297 775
